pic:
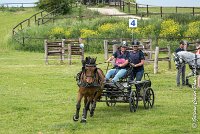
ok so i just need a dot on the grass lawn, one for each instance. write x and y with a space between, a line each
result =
39 98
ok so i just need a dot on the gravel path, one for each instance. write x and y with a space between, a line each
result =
114 11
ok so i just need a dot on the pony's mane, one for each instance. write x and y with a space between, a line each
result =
89 61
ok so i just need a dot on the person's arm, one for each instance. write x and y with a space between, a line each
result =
141 60
124 64
110 59
139 64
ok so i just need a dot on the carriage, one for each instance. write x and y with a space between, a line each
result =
92 89
125 91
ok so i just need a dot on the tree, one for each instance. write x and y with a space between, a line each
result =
50 5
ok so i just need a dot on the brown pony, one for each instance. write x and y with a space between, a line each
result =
90 82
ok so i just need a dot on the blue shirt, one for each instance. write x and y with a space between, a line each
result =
179 49
135 58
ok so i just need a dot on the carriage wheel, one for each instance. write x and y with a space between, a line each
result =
110 102
132 101
148 98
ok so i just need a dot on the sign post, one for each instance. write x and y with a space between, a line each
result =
132 24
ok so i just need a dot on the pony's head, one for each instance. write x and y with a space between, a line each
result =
178 60
89 69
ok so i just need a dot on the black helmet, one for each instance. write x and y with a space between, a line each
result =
135 43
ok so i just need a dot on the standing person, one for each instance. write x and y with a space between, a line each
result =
181 70
198 52
120 67
198 47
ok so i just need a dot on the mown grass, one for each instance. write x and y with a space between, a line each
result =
8 21
39 98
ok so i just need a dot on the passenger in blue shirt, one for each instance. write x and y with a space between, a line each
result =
136 58
120 67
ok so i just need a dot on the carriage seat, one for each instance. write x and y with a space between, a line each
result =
141 84
116 85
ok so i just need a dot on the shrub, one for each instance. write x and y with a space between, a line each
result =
50 5
193 29
57 33
170 29
86 33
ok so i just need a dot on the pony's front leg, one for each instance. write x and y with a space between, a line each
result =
187 79
86 108
78 106
94 103
93 108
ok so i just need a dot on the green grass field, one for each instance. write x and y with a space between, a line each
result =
39 98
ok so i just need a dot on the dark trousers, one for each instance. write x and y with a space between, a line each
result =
137 75
180 72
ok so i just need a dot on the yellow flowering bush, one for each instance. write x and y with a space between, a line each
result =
57 32
148 30
67 33
193 29
169 28
85 33
136 32
106 27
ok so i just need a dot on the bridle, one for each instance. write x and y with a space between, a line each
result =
89 65
94 77
178 60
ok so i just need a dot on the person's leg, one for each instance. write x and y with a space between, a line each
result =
178 77
132 76
183 75
110 73
139 76
119 75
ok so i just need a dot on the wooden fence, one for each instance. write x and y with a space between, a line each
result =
68 47
27 22
157 58
148 10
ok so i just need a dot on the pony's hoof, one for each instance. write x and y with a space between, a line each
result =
91 114
75 118
83 120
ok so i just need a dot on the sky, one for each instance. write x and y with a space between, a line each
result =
19 1
183 3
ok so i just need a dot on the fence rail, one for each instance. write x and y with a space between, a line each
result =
21 25
147 10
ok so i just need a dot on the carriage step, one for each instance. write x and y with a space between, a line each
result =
114 85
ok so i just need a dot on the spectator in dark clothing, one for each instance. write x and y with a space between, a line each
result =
181 70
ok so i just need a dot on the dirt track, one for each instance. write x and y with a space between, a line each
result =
114 12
